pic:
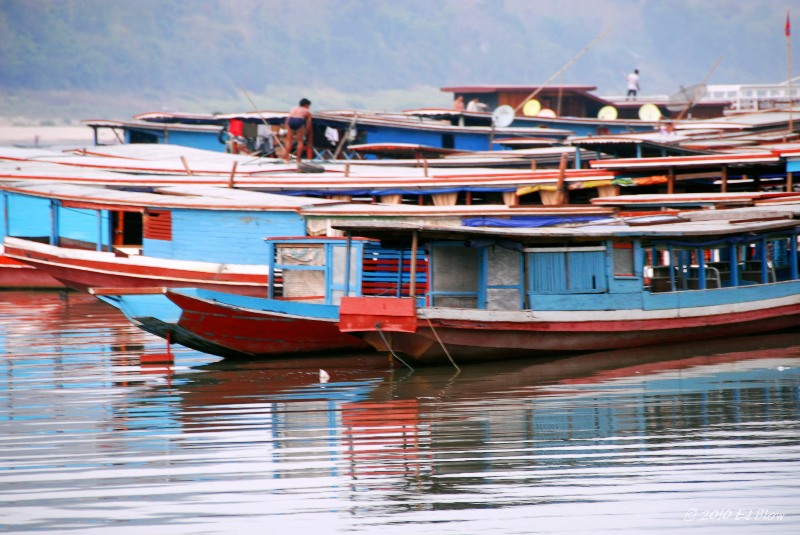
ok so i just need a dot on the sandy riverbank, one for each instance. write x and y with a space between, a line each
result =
50 136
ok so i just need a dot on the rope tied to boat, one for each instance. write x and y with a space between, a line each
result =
386 343
446 352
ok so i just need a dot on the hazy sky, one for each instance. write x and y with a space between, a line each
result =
386 53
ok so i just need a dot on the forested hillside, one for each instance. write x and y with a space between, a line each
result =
63 56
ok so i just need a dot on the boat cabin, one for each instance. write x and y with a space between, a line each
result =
318 270
563 100
619 266
204 224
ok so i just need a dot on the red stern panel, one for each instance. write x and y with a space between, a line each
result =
398 314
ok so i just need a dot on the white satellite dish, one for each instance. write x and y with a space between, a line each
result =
547 113
532 108
686 97
503 116
607 113
649 112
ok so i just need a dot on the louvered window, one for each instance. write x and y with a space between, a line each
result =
158 225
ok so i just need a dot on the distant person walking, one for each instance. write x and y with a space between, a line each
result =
633 85
298 124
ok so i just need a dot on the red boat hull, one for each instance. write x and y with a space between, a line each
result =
15 274
249 333
435 341
82 274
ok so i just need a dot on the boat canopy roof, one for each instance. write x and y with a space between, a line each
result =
623 230
708 160
188 197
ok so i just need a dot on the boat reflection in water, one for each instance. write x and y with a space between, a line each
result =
628 440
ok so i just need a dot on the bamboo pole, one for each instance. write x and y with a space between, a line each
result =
186 166
561 193
255 109
562 69
724 186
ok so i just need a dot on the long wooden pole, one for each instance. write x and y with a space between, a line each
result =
255 109
691 103
562 69
561 190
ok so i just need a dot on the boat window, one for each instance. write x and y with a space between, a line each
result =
503 279
761 261
158 225
302 271
300 255
338 273
454 276
623 260
566 270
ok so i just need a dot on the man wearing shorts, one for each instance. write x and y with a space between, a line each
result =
298 124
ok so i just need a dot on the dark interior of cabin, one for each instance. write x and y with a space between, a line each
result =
127 227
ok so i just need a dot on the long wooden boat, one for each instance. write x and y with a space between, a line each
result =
299 313
502 293
231 325
181 237
236 326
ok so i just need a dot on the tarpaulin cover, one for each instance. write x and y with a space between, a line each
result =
531 221
398 191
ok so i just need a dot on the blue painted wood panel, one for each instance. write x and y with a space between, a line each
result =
83 225
200 140
450 139
27 216
230 237
589 301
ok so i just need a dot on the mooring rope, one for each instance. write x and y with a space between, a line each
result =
386 342
446 352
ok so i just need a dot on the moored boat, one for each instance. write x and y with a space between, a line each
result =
499 293
299 313
198 237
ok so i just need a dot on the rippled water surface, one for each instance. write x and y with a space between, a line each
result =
95 437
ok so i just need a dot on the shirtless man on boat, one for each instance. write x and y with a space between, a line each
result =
298 124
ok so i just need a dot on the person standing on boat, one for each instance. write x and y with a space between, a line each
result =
298 124
458 103
476 105
633 85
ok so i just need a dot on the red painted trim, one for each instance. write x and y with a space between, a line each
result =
397 314
82 274
617 326
158 225
100 206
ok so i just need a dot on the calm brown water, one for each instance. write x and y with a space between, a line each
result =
690 439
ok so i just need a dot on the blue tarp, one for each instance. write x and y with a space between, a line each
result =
399 191
532 221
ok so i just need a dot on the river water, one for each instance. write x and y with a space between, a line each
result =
95 437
